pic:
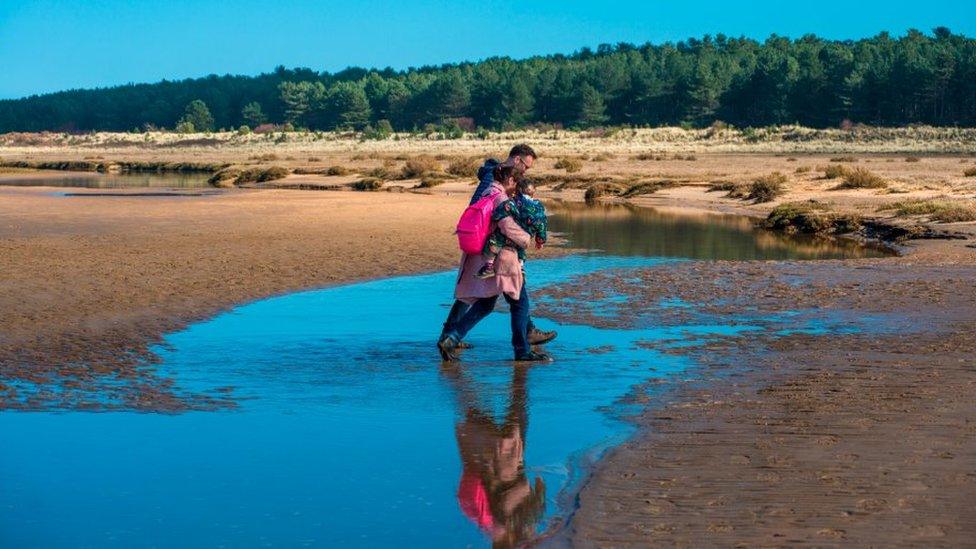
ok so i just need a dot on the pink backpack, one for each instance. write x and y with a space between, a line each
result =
475 224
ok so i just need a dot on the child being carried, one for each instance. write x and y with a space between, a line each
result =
528 212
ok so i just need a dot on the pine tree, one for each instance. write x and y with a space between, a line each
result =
196 117
591 111
253 114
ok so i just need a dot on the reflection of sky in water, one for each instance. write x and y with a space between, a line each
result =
346 428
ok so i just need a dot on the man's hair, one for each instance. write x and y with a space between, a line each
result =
522 150
524 184
503 171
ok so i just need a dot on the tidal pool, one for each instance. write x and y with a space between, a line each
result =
111 181
348 430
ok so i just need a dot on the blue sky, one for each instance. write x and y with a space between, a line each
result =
50 45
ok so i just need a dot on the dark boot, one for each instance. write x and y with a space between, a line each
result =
533 356
447 347
539 337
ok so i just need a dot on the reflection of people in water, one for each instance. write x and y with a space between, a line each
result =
494 491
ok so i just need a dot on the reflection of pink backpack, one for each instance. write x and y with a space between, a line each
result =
475 224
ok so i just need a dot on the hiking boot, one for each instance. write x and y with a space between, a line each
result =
539 337
533 356
487 271
447 346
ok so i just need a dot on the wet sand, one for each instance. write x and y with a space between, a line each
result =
88 283
852 439
820 440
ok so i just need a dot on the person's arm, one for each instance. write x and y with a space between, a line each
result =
485 179
511 229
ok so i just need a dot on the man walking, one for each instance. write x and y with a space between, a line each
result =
521 156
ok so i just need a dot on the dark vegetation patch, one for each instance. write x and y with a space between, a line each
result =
235 176
115 166
368 184
649 187
810 218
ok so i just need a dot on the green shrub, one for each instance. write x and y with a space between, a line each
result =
809 218
383 130
337 170
861 178
244 130
767 187
368 184
571 165
420 165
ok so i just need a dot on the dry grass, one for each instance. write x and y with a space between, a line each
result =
802 169
912 159
945 211
429 181
420 165
971 172
571 165
464 166
767 187
843 159
833 171
599 190
862 178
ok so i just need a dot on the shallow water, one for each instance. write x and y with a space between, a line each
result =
111 181
349 430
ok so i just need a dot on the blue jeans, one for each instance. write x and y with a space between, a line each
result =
484 306
460 308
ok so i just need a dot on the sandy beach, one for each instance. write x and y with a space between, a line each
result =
820 440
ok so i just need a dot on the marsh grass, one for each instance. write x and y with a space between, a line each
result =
598 190
464 166
419 165
833 171
571 165
649 187
368 184
767 187
810 218
862 178
945 211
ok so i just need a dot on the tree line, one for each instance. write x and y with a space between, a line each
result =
882 80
